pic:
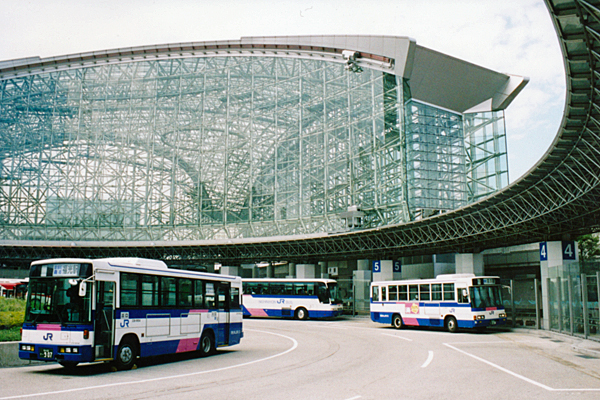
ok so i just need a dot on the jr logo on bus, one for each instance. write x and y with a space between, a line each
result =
280 301
125 323
48 336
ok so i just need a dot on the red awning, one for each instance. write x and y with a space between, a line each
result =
9 286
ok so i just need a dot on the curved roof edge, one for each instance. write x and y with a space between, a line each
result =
435 78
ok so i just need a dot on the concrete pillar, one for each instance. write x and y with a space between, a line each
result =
557 260
383 270
291 270
255 272
304 271
469 263
361 282
270 271
235 271
444 264
363 265
322 272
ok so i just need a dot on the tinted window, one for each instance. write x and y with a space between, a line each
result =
129 289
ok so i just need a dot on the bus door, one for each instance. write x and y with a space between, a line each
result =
104 320
223 306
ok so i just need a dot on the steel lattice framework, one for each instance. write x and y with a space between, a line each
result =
558 198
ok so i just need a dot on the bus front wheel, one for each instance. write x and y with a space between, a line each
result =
126 355
301 313
451 325
397 321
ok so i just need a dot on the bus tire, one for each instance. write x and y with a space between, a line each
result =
207 343
301 313
397 321
451 324
126 354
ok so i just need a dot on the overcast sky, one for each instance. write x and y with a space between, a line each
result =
512 36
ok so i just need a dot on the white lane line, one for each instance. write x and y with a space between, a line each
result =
396 336
354 398
428 361
294 346
548 388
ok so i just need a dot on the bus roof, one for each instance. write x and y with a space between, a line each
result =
288 280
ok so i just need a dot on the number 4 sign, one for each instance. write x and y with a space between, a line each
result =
568 251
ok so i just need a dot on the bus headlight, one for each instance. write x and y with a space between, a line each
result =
27 347
476 317
502 315
69 350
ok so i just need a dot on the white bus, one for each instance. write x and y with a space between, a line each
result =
450 301
297 298
116 309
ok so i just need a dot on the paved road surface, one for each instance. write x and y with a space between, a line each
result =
344 359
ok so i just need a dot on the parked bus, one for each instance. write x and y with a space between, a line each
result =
116 309
450 301
298 298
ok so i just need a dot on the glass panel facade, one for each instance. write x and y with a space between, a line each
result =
225 147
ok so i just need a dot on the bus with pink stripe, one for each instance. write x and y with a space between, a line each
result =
449 301
118 309
291 298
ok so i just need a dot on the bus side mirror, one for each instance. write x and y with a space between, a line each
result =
82 289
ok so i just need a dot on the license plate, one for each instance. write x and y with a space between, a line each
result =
46 353
493 323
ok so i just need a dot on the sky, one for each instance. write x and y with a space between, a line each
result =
510 36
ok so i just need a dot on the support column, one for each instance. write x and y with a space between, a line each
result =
556 261
291 270
305 271
469 263
234 271
322 273
383 270
270 271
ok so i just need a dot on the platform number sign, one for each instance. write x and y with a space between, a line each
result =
397 266
543 251
568 250
377 266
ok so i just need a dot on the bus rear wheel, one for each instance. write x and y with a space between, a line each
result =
126 355
301 313
397 321
207 343
451 325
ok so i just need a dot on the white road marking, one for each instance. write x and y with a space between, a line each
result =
354 398
429 359
399 337
294 346
548 388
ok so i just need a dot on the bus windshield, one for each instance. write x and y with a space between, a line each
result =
485 296
56 301
334 293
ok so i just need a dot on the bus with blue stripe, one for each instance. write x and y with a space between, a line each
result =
291 298
457 301
119 309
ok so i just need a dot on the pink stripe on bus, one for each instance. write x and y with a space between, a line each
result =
257 312
187 345
48 327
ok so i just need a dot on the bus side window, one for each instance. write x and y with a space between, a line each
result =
436 291
384 293
449 291
463 296
413 291
375 294
402 293
393 293
199 293
210 295
235 297
424 292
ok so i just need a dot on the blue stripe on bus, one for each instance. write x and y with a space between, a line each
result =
143 313
386 318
